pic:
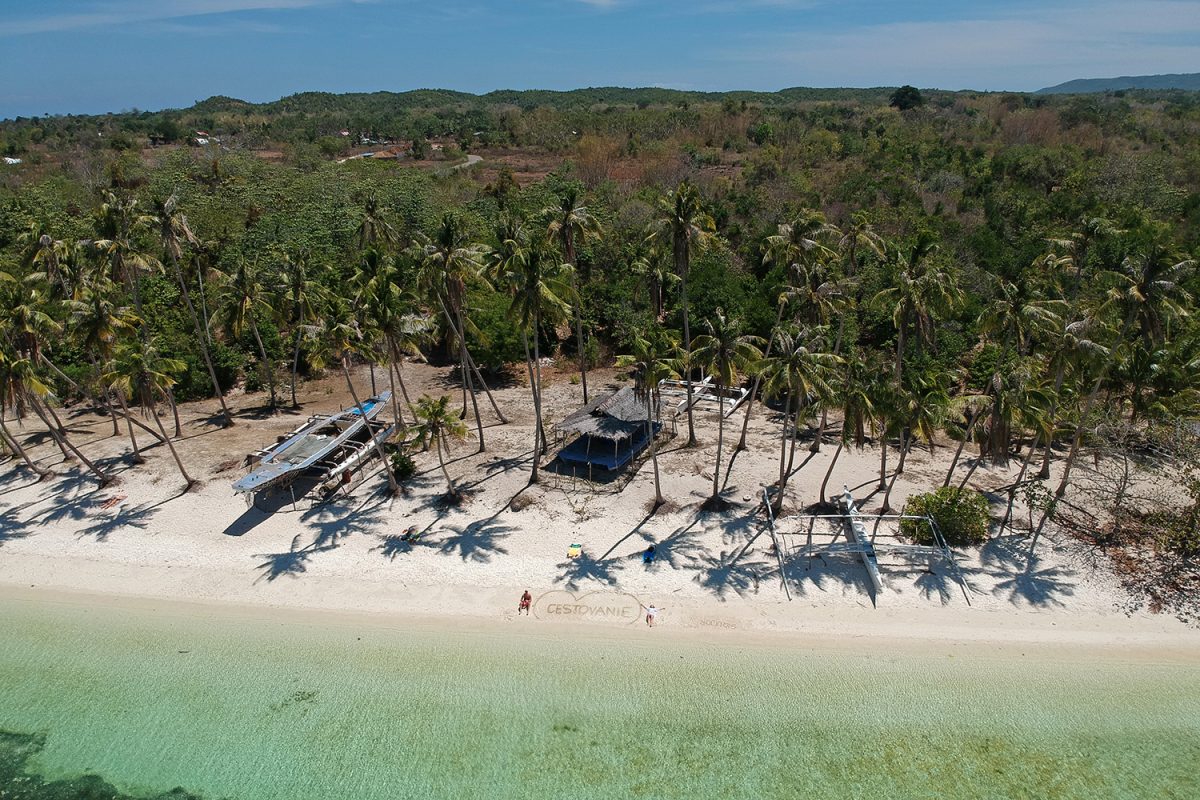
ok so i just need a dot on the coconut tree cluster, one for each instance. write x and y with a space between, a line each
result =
868 337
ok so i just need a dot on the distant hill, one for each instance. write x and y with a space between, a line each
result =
1189 82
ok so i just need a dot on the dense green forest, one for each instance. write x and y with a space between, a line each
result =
1015 271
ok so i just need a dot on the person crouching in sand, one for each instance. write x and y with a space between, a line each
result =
524 604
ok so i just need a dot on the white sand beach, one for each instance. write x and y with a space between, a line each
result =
716 574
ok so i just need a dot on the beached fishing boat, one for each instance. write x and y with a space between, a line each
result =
323 445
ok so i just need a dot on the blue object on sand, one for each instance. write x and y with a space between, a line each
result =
649 555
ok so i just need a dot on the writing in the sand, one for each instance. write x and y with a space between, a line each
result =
585 610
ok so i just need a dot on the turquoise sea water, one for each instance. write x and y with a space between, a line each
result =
238 708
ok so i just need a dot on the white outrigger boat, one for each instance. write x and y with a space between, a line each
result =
331 447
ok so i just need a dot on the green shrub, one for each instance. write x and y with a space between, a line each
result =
961 514
403 466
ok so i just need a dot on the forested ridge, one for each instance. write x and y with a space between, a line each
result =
1015 272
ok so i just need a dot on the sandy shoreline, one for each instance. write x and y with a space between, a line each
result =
716 577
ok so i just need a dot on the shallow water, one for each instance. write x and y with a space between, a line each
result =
238 708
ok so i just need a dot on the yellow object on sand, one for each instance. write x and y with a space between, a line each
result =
574 551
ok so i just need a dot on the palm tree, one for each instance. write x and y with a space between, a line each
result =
10 398
922 292
374 231
173 232
448 262
726 354
858 409
21 384
920 410
1149 293
685 227
970 407
1071 346
651 361
120 223
540 289
436 423
857 238
800 372
96 323
243 299
139 372
799 248
1071 252
569 224
301 296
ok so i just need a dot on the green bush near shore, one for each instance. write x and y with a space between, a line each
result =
961 514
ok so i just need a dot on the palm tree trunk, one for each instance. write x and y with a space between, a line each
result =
883 445
187 479
687 354
899 470
815 447
974 466
102 477
958 452
17 449
488 392
795 432
174 412
828 472
138 458
450 487
900 337
537 371
650 406
582 352
467 380
741 445
396 362
783 474
1059 375
266 361
203 304
537 424
387 468
296 366
1012 491
202 340
720 441
391 372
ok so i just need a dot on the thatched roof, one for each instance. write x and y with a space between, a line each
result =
615 416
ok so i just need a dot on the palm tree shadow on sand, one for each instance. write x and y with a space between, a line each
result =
292 563
1021 576
585 568
478 541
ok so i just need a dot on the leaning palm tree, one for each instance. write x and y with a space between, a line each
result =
435 424
569 223
173 232
374 231
685 227
243 301
652 362
800 372
447 263
852 390
920 410
9 398
120 224
541 290
140 373
726 354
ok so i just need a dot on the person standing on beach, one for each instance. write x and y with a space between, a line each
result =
651 614
525 603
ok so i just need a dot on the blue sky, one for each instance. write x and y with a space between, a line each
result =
87 56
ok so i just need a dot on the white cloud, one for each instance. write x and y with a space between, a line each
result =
1024 50
106 14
